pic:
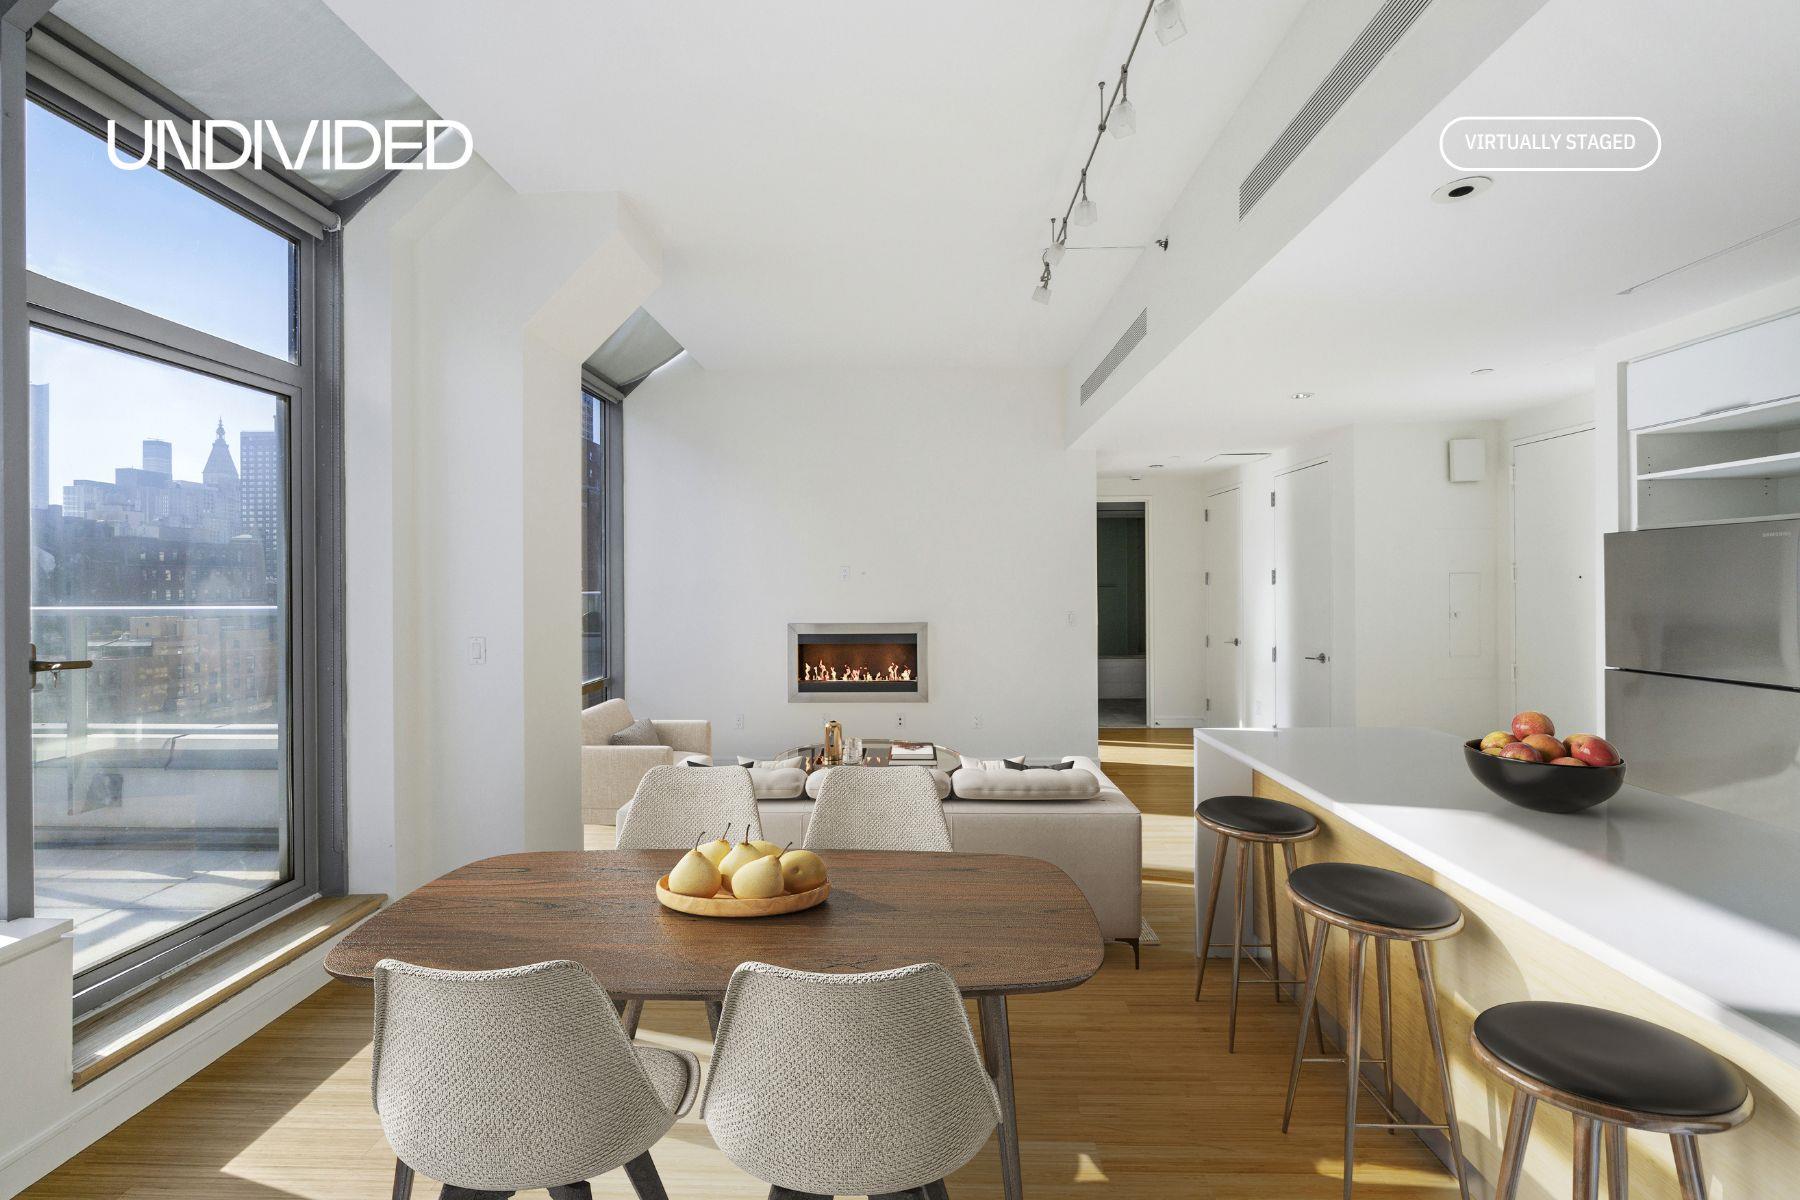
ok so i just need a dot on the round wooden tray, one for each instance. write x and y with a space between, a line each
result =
726 905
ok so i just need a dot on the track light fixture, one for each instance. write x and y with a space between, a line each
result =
1119 115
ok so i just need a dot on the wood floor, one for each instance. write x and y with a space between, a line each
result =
1124 1086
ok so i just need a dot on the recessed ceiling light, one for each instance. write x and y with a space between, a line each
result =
1462 189
1156 466
1301 396
1136 478
1482 371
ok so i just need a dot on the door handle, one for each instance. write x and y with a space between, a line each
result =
1233 642
1319 657
56 666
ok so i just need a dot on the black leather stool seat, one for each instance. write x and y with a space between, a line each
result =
1611 1059
1254 815
1373 896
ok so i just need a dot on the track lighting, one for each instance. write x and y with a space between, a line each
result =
1123 121
1169 25
1041 293
1053 253
1085 212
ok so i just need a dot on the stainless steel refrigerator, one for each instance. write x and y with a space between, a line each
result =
1703 663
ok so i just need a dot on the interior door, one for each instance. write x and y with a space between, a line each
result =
1302 588
1220 556
1555 553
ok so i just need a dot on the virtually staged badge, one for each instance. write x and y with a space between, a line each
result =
1550 143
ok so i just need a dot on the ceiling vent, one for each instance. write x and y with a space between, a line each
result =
1125 345
1235 458
1358 63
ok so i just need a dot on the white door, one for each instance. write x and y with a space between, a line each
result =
1555 553
1219 556
1302 587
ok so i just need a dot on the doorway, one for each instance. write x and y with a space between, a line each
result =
1302 587
1219 560
1553 541
1124 620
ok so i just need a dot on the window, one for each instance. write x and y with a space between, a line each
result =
600 550
178 539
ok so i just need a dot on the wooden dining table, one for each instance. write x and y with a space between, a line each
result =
1000 923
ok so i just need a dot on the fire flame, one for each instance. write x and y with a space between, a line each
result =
824 672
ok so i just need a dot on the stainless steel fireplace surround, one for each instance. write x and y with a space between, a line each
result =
857 661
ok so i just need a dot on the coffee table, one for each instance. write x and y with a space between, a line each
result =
875 755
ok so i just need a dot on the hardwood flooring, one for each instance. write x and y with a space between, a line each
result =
1124 1086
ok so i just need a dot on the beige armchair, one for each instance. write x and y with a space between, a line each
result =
610 774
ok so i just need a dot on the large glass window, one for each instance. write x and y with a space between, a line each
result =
593 544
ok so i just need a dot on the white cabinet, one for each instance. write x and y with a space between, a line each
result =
1753 365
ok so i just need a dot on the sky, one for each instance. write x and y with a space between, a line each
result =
150 241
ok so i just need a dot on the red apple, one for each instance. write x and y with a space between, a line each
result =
1497 739
1575 739
1527 723
1596 752
1522 752
1567 762
1495 751
1547 746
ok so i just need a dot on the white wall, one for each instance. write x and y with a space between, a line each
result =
1174 591
754 499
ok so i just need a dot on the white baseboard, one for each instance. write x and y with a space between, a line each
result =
128 1089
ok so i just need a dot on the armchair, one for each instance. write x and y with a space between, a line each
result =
610 774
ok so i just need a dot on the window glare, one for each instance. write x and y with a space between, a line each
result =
146 239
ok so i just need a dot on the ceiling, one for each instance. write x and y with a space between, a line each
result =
843 184
1384 305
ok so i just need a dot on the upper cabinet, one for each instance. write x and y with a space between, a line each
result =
1733 370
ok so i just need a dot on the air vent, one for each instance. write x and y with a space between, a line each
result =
1358 63
1125 345
1233 458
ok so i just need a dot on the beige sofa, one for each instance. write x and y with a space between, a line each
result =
610 774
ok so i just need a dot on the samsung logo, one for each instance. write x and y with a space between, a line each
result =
346 145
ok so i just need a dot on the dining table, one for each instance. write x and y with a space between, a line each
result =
1001 924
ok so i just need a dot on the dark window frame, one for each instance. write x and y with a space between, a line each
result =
611 681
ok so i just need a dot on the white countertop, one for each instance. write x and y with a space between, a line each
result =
1698 904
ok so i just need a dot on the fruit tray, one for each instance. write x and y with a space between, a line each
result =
727 905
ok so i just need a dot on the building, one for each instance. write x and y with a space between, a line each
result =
159 457
40 445
260 492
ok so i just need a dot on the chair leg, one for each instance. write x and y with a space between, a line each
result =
1237 942
1353 1055
1428 997
1268 874
777 1192
634 1012
937 1191
452 1192
1137 952
1587 1159
403 1181
573 1191
1512 1158
1302 941
713 1011
1308 1003
1687 1167
644 1179
1203 936
1617 1167
1384 996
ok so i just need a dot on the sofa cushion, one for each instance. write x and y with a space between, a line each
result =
1011 782
1019 764
816 780
769 783
638 733
600 722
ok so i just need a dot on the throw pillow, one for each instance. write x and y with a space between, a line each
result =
688 762
1019 764
778 764
638 733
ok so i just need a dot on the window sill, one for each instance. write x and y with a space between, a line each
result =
113 1035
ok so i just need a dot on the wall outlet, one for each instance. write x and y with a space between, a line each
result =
978 720
738 722
477 650
844 571
1071 616
900 720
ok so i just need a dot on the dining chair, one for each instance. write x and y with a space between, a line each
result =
494 1082
674 805
877 808
848 1085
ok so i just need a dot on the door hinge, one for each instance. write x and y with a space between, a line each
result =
1272 657
1271 575
1206 514
1208 642
1209 579
1271 499
1209 704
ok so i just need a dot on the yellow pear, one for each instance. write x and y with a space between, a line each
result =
740 854
765 848
802 870
718 848
758 879
694 875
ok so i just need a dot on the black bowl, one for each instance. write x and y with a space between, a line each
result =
1543 787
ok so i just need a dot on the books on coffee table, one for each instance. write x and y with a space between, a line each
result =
914 752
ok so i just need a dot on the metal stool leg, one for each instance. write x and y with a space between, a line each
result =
1268 874
1237 941
1587 1159
1428 996
1687 1167
1617 1168
1384 994
1305 944
1308 1009
1353 1056
1204 936
1518 1133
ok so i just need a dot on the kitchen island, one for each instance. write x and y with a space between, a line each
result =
1649 905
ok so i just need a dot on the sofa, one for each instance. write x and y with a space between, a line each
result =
610 774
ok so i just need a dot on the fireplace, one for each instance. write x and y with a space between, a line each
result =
856 661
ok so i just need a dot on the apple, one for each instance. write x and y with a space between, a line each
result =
1522 752
1527 723
1596 752
1495 751
1496 740
1547 746
1575 739
1567 762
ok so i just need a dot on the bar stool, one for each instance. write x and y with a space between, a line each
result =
1244 823
1369 902
1612 1073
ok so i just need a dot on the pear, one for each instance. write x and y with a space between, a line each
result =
694 875
718 848
802 871
741 854
758 879
767 848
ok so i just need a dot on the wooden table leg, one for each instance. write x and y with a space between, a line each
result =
996 1048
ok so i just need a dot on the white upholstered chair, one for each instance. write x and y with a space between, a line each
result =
878 808
848 1085
674 805
494 1082
610 773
